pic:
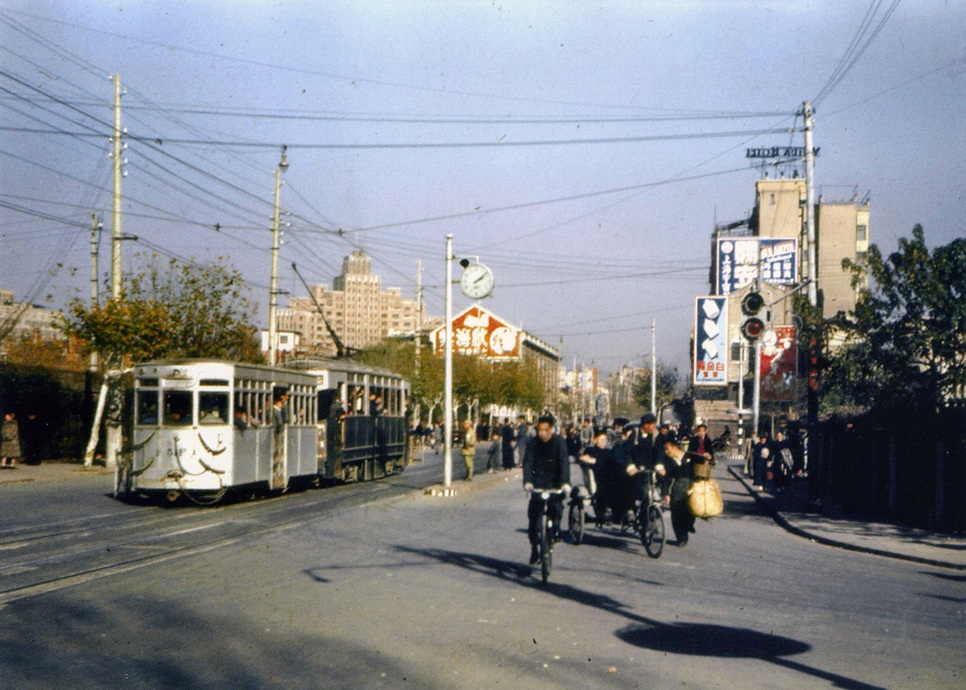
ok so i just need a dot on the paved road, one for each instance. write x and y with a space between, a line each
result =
407 590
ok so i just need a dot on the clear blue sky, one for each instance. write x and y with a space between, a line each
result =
583 150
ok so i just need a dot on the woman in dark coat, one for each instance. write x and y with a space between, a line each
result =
10 446
508 435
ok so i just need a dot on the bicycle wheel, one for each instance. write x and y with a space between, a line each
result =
576 522
652 534
545 549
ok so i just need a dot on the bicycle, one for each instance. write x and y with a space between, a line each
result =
649 519
545 546
580 501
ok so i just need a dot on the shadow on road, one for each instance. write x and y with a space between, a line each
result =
153 642
695 639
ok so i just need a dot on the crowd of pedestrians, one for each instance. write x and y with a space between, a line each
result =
772 463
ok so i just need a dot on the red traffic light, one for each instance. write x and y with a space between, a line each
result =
753 328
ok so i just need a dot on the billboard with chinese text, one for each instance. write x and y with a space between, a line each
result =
479 333
739 258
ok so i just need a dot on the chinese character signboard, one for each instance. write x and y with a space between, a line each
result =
711 341
739 258
779 364
479 333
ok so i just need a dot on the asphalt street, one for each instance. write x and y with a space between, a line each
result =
403 589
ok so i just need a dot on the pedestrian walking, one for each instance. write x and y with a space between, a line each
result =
761 460
494 454
10 446
507 445
679 479
468 449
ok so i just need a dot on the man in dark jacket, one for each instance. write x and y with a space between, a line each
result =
545 466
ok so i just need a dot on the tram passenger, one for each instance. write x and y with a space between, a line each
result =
279 412
545 466
241 419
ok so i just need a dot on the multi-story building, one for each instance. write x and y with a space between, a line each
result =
841 232
357 309
769 252
20 319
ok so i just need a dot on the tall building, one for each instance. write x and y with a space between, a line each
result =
771 247
841 231
357 309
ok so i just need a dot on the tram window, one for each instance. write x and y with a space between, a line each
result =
177 408
326 400
147 407
213 408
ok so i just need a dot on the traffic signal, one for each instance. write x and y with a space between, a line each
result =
752 327
752 303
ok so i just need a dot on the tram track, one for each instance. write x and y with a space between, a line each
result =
48 556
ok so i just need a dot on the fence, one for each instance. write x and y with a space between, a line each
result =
910 470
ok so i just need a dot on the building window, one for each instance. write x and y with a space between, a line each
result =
861 233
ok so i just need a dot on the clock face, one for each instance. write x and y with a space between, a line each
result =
476 281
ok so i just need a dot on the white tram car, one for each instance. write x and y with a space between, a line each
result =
202 427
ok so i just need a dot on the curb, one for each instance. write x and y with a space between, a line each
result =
480 481
782 521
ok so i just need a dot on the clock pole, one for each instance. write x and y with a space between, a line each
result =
448 370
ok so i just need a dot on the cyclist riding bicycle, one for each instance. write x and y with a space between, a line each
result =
643 456
546 465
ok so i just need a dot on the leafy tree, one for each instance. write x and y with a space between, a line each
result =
475 381
668 381
174 310
905 342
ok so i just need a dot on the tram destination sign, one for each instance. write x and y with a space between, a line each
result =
779 152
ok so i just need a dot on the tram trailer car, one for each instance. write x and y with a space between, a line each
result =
202 427
362 419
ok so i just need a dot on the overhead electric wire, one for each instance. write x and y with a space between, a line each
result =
499 143
330 75
856 47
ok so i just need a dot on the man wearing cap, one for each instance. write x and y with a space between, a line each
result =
644 456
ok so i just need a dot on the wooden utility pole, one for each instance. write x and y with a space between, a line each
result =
116 194
807 113
273 283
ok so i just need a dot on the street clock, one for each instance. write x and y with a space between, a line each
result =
476 281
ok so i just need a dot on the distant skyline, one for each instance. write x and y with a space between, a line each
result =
582 150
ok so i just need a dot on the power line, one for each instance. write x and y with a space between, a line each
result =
854 51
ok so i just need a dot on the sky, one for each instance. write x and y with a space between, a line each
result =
582 150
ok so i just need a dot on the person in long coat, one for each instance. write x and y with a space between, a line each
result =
10 445
679 478
508 436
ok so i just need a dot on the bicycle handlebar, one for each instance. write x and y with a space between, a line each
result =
548 492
